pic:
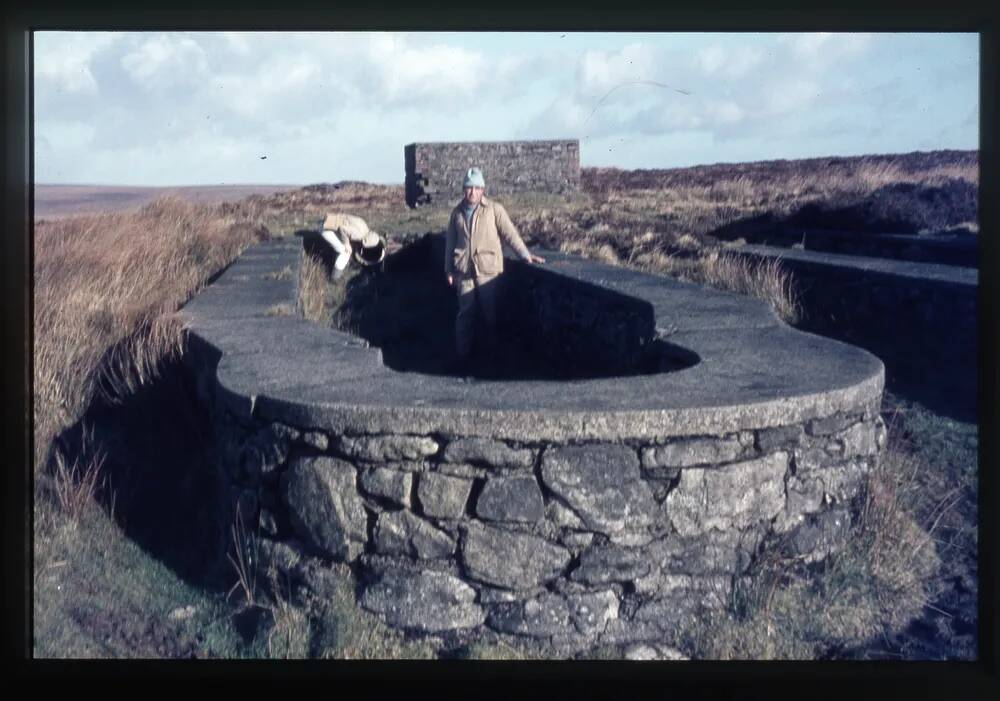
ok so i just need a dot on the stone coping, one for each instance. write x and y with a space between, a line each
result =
912 270
754 371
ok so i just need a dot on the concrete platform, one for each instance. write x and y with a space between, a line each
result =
936 272
754 370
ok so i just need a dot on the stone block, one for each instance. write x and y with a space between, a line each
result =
821 535
316 439
804 495
441 496
489 453
682 594
387 448
284 431
861 439
602 564
561 516
806 460
541 617
282 556
511 560
265 452
412 466
692 451
842 482
830 424
511 499
738 496
644 652
324 507
713 552
590 612
576 540
427 602
602 485
787 437
493 595
387 484
403 533
462 469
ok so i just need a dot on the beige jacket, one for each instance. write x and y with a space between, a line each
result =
353 227
479 252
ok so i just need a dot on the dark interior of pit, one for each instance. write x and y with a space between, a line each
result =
550 327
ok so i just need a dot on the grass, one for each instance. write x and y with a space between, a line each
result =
872 587
105 291
98 594
107 288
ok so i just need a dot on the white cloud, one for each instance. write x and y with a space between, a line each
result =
600 71
824 48
717 60
562 117
207 105
62 59
726 112
406 74
165 60
790 96
237 42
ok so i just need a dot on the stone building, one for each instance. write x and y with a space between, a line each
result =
434 171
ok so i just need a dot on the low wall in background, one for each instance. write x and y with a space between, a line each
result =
435 171
921 319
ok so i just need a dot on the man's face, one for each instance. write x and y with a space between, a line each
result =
473 195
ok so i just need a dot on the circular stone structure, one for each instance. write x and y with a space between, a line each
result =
609 510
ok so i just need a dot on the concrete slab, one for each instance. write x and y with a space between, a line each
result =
678 305
953 274
754 371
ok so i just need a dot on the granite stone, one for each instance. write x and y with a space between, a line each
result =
441 496
324 507
510 559
511 499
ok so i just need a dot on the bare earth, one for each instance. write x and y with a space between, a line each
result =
56 201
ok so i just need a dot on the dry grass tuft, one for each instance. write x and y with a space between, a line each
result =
312 289
765 280
75 484
283 274
106 289
280 309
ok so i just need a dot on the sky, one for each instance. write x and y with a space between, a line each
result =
206 108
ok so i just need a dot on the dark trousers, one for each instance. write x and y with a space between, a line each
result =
478 299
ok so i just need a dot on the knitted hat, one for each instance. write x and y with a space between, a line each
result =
474 178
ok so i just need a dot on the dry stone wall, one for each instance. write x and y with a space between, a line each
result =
553 514
435 171
568 544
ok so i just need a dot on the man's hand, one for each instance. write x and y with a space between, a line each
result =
451 280
532 258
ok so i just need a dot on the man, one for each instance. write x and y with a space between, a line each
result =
473 260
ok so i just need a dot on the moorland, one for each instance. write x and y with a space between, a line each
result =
130 560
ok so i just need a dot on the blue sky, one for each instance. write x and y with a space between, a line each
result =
201 108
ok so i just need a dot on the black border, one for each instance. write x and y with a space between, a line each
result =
973 679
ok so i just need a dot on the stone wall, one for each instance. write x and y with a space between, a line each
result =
566 544
550 514
944 249
920 319
435 171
